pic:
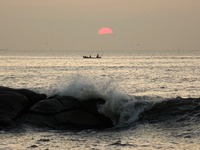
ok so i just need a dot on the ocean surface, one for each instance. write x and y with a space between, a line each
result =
122 78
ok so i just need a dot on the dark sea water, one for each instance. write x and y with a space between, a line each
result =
123 79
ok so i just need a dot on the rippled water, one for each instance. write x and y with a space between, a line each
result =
166 76
143 136
163 74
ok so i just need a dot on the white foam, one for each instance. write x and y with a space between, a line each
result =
78 86
122 108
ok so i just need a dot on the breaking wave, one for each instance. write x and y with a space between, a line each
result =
124 109
119 106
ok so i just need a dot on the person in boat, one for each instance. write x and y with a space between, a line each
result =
97 56
90 56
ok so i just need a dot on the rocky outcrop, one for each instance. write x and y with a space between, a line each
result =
66 113
55 105
11 105
32 97
22 106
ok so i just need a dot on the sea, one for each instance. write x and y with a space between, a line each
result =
121 77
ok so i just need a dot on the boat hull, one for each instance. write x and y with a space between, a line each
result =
86 57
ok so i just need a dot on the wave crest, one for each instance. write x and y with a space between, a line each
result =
120 107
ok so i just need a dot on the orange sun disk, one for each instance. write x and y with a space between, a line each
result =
104 31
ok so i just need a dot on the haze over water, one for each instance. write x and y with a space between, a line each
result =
73 25
141 75
155 73
150 53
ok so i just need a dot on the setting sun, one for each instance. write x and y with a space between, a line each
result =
105 30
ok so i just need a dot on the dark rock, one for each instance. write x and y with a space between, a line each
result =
67 112
55 105
80 119
83 114
6 122
22 106
33 97
11 105
91 105
49 106
39 120
71 119
69 102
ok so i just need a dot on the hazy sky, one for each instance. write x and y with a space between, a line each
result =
74 24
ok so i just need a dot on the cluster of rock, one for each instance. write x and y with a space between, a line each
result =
23 106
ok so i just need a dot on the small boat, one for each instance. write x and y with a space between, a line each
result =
90 57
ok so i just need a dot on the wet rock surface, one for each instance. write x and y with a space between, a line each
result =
22 106
11 106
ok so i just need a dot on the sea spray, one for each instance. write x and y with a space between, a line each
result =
120 107
123 109
78 86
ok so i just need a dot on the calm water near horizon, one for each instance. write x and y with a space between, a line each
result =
142 75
